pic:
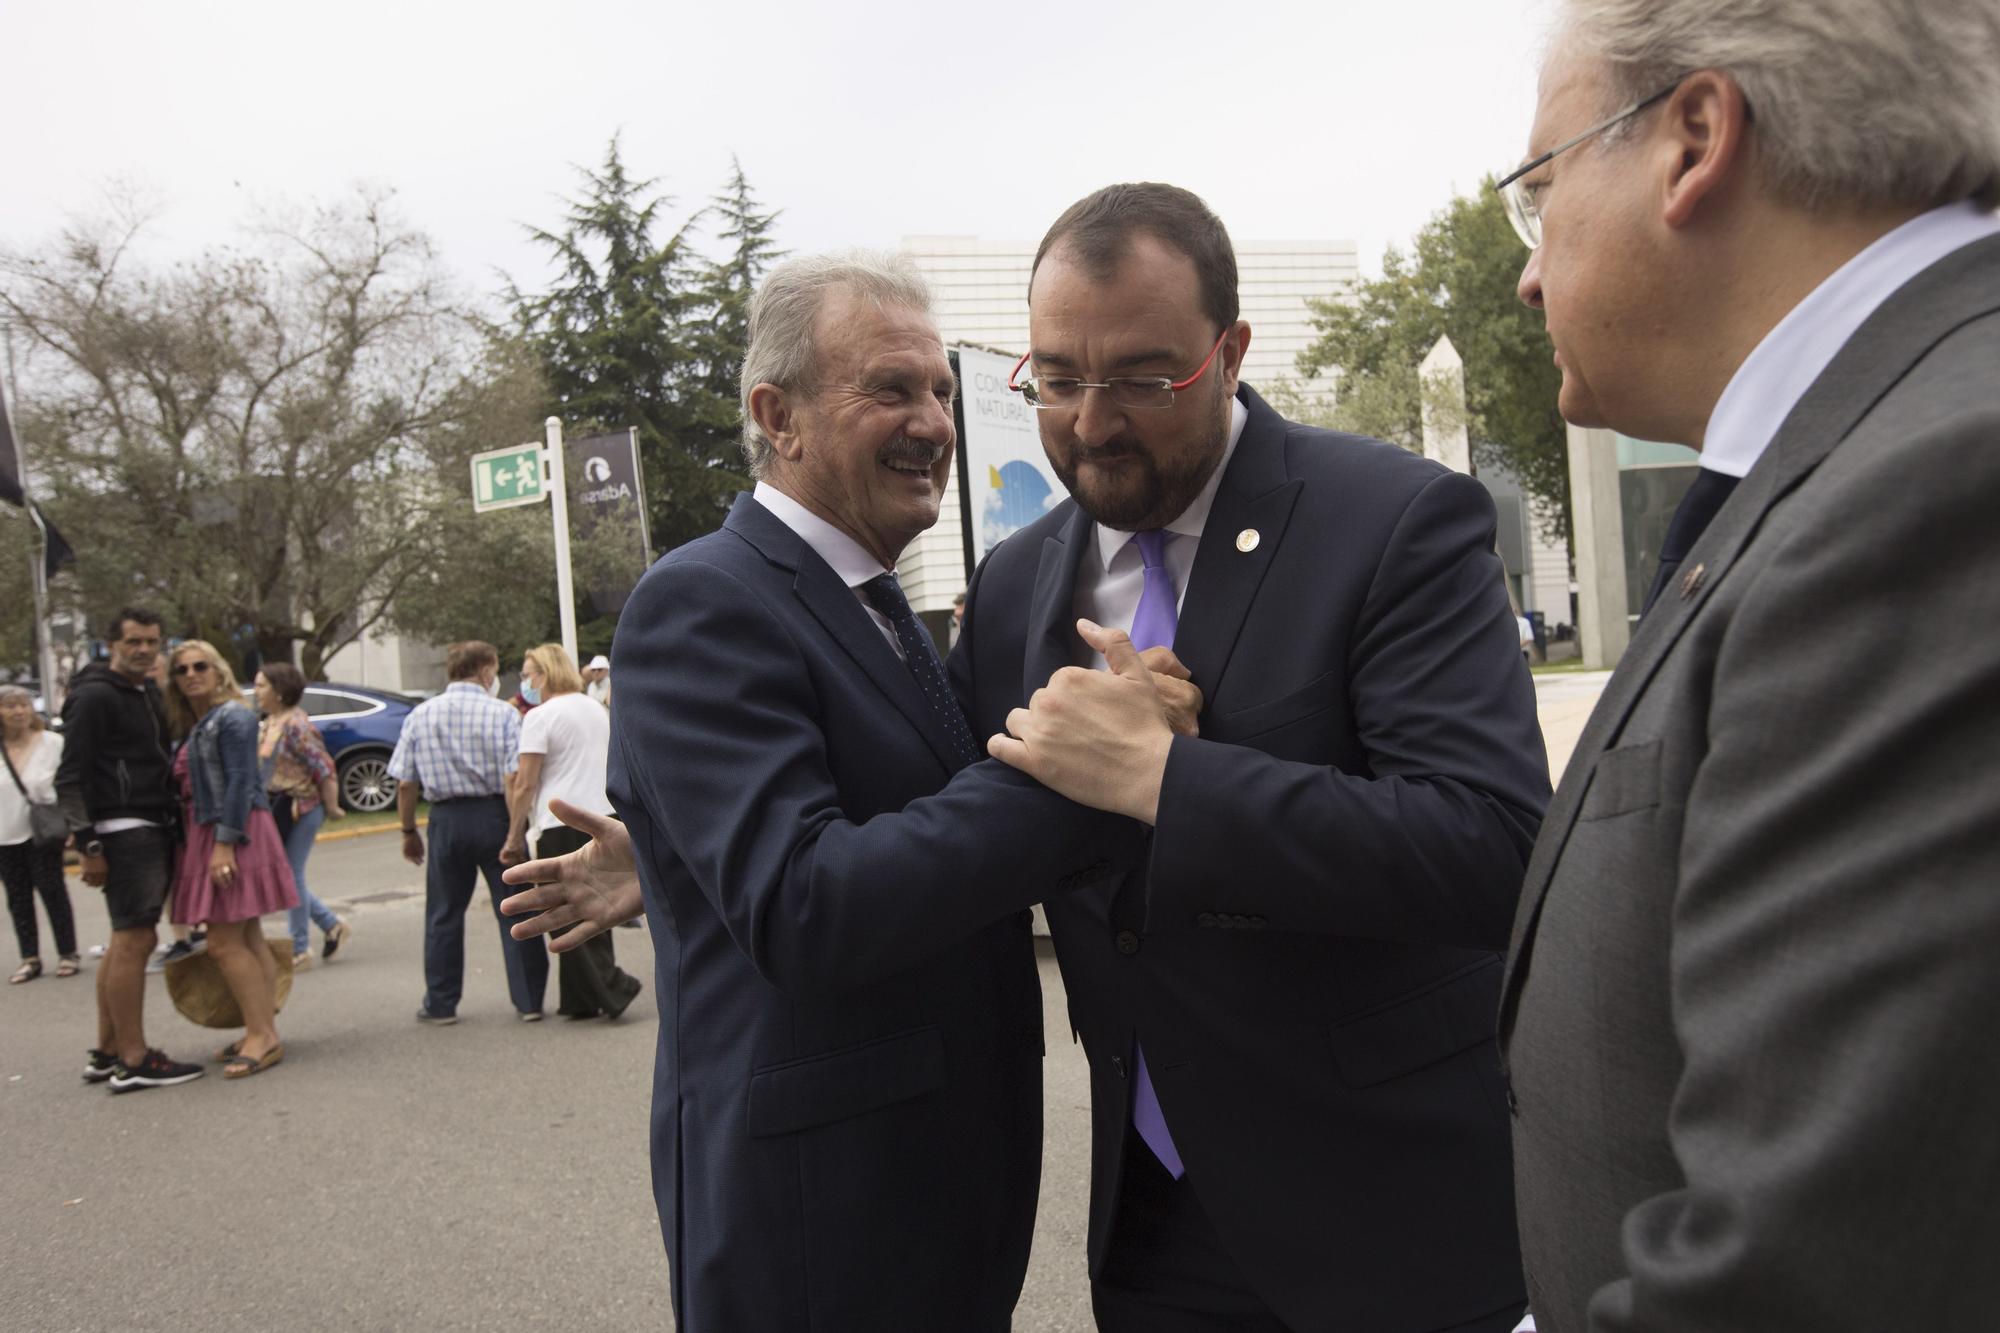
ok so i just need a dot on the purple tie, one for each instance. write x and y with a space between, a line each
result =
1153 625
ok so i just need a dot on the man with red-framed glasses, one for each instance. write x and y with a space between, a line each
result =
1298 1115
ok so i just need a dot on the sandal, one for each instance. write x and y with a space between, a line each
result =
27 971
69 966
228 1052
242 1066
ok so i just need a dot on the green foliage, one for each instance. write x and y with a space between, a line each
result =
1458 283
643 332
19 549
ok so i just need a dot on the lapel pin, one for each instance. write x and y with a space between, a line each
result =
1246 540
1691 581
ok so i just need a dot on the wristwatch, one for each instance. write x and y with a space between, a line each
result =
92 848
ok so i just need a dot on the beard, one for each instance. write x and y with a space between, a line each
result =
1150 491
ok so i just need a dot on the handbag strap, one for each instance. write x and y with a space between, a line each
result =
14 773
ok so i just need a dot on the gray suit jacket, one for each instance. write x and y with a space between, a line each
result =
1749 1013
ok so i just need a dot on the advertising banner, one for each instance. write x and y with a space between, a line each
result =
1004 476
609 545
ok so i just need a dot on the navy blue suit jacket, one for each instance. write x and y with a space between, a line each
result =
1312 953
847 1096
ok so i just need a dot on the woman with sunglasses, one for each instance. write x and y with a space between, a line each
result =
232 867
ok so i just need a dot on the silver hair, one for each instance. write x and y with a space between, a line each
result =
25 696
785 309
1880 103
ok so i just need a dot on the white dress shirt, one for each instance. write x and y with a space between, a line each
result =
1777 373
1112 574
849 560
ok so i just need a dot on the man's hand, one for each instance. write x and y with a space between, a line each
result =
95 870
1178 692
593 888
514 851
413 847
1100 738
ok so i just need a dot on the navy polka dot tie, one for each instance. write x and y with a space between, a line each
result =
886 596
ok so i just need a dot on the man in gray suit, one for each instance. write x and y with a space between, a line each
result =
1756 971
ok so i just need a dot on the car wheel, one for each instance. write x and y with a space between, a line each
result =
365 784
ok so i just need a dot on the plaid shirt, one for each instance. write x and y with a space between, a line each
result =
464 742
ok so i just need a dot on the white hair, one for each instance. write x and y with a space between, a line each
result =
1880 103
785 309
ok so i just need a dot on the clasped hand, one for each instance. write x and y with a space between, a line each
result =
1102 738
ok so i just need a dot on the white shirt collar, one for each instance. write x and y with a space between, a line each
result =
1777 373
1110 541
847 557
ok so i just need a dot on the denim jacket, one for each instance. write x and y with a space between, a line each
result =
222 763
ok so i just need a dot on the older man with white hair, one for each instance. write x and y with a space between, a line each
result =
1749 1008
847 1096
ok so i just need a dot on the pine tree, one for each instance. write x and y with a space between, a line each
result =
614 336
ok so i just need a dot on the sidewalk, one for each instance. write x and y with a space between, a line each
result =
1564 702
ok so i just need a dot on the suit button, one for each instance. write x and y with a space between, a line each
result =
1205 919
1127 942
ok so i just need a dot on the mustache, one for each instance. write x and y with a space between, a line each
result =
907 450
1120 447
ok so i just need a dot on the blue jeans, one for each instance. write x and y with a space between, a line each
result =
298 846
464 846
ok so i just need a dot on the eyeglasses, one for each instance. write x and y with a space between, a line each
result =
1138 393
184 668
1523 210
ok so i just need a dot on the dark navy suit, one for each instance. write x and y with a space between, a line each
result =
847 1099
1312 953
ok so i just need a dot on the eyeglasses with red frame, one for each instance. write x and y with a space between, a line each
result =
1139 393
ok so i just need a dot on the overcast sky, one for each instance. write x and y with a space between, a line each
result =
864 121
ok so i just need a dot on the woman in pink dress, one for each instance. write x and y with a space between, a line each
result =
232 868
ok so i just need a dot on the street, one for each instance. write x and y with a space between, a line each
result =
390 1175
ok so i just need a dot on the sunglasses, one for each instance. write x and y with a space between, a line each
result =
185 668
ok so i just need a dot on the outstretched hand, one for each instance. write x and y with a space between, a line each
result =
1100 738
592 889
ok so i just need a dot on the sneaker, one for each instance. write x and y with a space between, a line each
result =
436 1020
334 939
101 1066
96 951
301 961
197 940
529 1015
181 949
155 1071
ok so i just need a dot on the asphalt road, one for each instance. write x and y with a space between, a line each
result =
390 1175
387 1175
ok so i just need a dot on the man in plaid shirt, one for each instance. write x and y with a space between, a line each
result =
458 750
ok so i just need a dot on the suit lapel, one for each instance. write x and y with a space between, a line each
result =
1898 335
839 612
1255 496
1052 642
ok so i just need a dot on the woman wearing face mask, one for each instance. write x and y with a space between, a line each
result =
232 867
565 745
299 779
30 867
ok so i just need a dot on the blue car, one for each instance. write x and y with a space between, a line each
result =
360 727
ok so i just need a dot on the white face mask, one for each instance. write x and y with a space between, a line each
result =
493 687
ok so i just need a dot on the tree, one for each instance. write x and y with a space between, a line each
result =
645 333
269 444
1458 282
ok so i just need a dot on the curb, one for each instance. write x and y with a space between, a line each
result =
340 835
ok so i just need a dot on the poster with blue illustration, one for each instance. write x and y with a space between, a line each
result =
1007 481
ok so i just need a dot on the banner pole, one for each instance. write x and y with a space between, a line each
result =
559 508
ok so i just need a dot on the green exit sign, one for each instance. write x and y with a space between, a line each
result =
503 478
